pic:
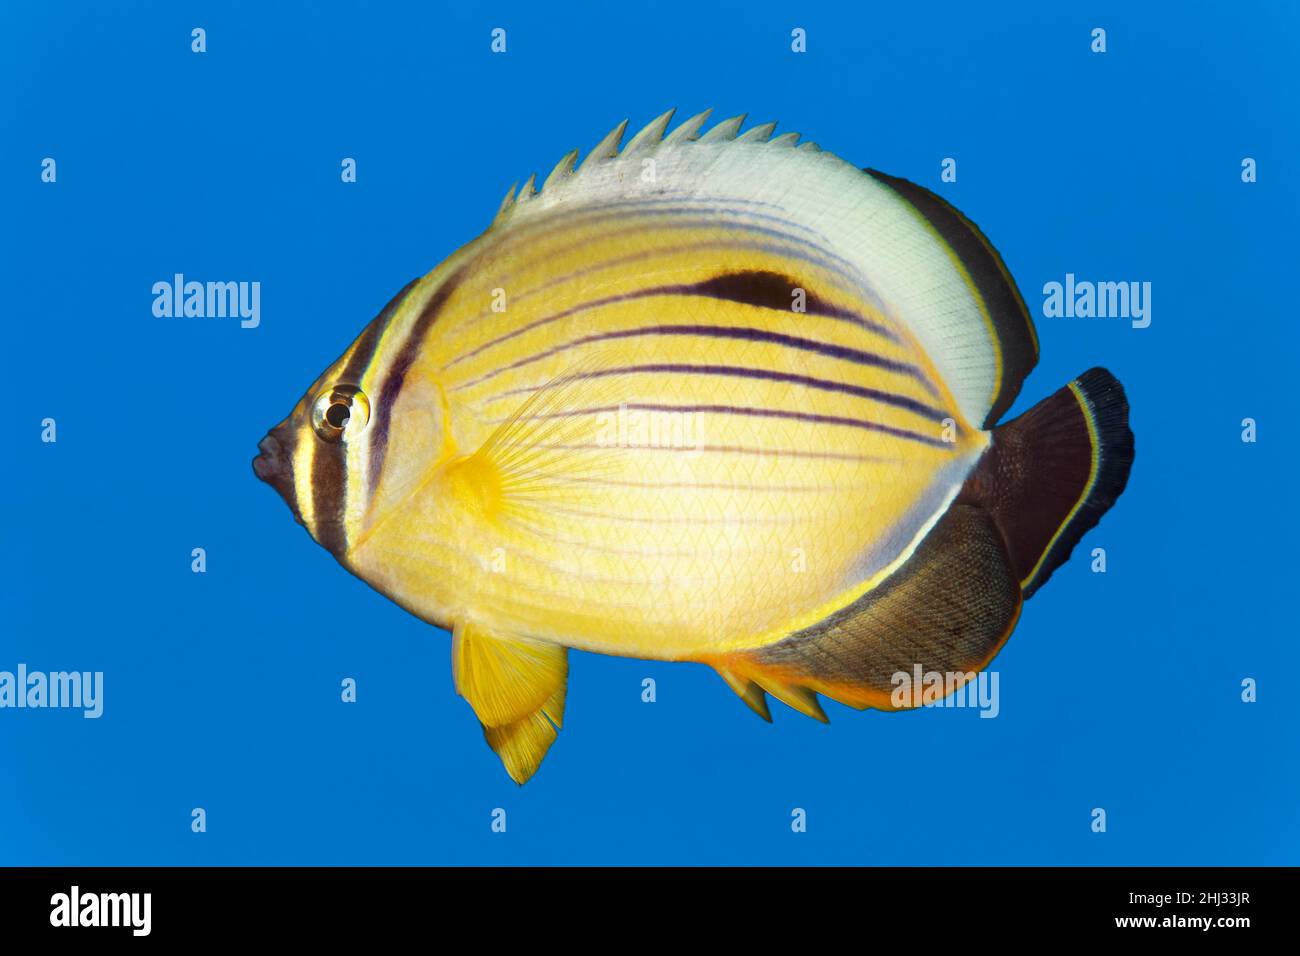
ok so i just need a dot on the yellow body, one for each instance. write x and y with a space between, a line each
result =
660 534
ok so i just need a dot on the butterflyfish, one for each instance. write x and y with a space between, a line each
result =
711 396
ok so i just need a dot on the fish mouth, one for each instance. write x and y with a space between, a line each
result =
275 465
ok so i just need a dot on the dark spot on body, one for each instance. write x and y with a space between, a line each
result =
767 290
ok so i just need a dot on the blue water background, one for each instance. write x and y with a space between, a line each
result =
1119 691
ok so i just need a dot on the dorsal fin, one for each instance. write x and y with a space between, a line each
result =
725 130
529 188
563 170
918 259
650 134
648 139
607 148
757 134
689 130
1013 330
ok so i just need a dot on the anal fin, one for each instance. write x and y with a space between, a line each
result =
792 695
756 683
748 691
517 689
948 608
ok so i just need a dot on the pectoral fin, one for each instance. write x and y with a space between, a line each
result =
516 687
544 452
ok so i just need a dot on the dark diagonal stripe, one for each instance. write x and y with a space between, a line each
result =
764 374
769 290
329 495
729 450
329 470
709 215
849 287
815 418
759 288
741 333
406 356
596 214
364 352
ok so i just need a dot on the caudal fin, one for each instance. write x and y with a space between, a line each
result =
1047 478
1050 474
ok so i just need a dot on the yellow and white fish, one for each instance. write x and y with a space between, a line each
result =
712 397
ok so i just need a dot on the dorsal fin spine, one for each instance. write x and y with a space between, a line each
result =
757 134
650 138
607 148
726 130
651 134
689 130
563 170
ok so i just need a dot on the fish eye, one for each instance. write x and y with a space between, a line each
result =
340 412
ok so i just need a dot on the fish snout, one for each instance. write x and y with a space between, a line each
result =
275 464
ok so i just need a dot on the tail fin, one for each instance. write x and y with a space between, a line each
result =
1050 474
1045 480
